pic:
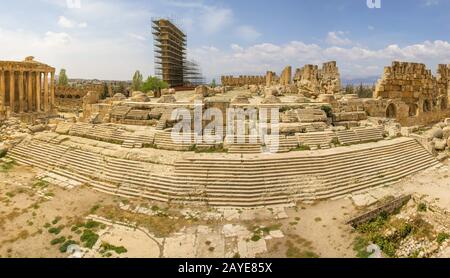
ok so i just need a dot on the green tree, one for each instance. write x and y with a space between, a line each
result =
137 81
213 83
105 92
63 80
349 89
154 84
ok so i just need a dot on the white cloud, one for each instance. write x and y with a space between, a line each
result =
52 39
354 62
137 37
214 19
236 47
431 2
338 38
248 33
67 23
371 28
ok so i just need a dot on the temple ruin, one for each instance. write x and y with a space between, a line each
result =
335 134
27 89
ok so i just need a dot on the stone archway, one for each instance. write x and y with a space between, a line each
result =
426 106
413 110
391 111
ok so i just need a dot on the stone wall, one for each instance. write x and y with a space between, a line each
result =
315 81
243 80
411 94
286 76
68 98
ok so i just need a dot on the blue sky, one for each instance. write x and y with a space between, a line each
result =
110 39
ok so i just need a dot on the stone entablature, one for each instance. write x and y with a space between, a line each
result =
26 87
243 80
78 92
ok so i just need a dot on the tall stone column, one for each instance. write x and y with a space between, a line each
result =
38 91
12 91
52 89
21 93
30 91
46 108
2 91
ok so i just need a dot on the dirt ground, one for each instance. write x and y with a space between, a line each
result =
37 217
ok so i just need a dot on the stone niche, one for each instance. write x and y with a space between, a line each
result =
409 93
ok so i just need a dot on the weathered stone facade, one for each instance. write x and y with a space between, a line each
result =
286 76
412 95
243 80
27 89
312 80
68 98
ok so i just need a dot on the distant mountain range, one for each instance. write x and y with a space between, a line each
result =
357 81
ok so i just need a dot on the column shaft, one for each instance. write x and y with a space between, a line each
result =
46 108
21 93
52 89
12 91
30 91
38 92
2 91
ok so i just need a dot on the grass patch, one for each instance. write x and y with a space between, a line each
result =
58 240
89 238
360 247
40 184
63 247
294 251
302 148
442 237
160 224
94 209
422 207
106 247
7 165
56 220
56 230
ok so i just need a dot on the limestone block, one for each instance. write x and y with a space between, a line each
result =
202 90
435 133
439 144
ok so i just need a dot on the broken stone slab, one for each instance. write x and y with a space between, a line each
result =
363 200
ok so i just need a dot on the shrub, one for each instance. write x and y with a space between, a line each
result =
89 238
360 246
56 220
66 245
56 230
422 207
58 240
109 247
255 238
328 110
442 237
91 224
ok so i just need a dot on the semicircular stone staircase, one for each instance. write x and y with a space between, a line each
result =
238 181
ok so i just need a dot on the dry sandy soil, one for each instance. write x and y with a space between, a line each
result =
30 209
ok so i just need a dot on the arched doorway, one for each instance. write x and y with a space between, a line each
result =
413 109
426 106
391 111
